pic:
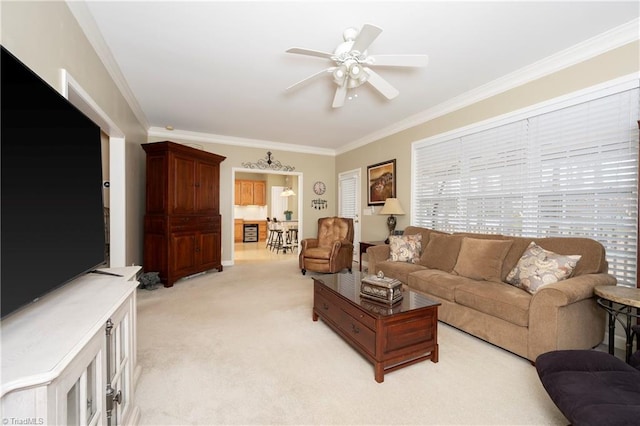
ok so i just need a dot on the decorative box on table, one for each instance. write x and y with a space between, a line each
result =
381 289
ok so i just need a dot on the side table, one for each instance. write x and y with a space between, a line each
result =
364 245
619 300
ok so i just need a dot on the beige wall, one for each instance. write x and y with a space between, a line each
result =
613 64
47 38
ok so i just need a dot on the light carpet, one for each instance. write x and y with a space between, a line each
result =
240 347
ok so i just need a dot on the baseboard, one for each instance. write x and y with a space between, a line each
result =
136 376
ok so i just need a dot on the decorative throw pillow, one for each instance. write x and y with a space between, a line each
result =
539 267
481 259
405 248
441 252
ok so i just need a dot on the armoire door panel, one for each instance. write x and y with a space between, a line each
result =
184 186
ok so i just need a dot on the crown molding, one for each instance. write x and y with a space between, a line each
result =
581 52
602 43
90 28
186 135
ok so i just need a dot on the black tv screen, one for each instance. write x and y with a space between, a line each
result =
52 215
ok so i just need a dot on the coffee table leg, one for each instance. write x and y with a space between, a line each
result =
379 369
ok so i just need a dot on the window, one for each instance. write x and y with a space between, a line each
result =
567 169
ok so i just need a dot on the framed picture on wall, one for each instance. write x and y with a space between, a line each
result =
381 179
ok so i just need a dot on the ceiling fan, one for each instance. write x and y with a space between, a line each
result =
353 66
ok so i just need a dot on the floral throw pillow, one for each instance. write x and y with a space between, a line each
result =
405 248
539 267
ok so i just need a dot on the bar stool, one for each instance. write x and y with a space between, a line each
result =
292 238
277 241
269 233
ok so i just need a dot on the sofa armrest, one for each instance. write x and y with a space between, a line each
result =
565 315
377 254
571 290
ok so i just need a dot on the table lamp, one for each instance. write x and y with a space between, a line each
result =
391 207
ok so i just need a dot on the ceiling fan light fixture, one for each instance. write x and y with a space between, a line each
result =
340 74
353 63
355 70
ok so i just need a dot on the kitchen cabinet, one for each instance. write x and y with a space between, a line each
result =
238 230
250 192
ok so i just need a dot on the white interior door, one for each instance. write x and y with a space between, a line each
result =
278 204
349 204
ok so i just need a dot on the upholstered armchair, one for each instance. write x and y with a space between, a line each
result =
332 250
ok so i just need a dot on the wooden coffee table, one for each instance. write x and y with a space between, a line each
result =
391 337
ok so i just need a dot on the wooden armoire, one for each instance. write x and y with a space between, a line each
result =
182 223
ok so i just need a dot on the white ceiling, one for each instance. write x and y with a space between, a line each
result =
219 69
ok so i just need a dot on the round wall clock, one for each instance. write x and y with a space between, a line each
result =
319 187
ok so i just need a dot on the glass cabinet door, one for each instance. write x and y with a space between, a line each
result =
118 348
82 388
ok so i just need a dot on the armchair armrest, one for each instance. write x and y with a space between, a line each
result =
377 254
339 245
308 243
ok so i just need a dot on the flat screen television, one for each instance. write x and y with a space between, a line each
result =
52 227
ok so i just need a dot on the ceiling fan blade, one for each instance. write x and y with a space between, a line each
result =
365 37
398 60
341 94
309 52
311 78
381 85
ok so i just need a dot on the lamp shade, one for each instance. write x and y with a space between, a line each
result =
392 206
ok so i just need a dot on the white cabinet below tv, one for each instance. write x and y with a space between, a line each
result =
62 353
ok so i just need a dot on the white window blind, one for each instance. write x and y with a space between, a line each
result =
347 206
570 171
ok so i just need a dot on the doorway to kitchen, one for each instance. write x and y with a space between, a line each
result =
283 198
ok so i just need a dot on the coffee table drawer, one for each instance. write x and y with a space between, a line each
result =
326 308
358 314
358 332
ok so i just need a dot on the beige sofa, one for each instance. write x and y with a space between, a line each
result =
476 298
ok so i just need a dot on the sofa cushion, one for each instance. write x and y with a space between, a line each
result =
481 259
438 283
513 255
593 260
496 299
318 253
539 267
405 248
425 232
441 252
398 270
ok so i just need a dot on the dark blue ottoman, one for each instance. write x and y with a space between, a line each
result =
591 387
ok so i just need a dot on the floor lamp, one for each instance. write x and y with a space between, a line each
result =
391 207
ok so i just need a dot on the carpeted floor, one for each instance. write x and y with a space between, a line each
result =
239 347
